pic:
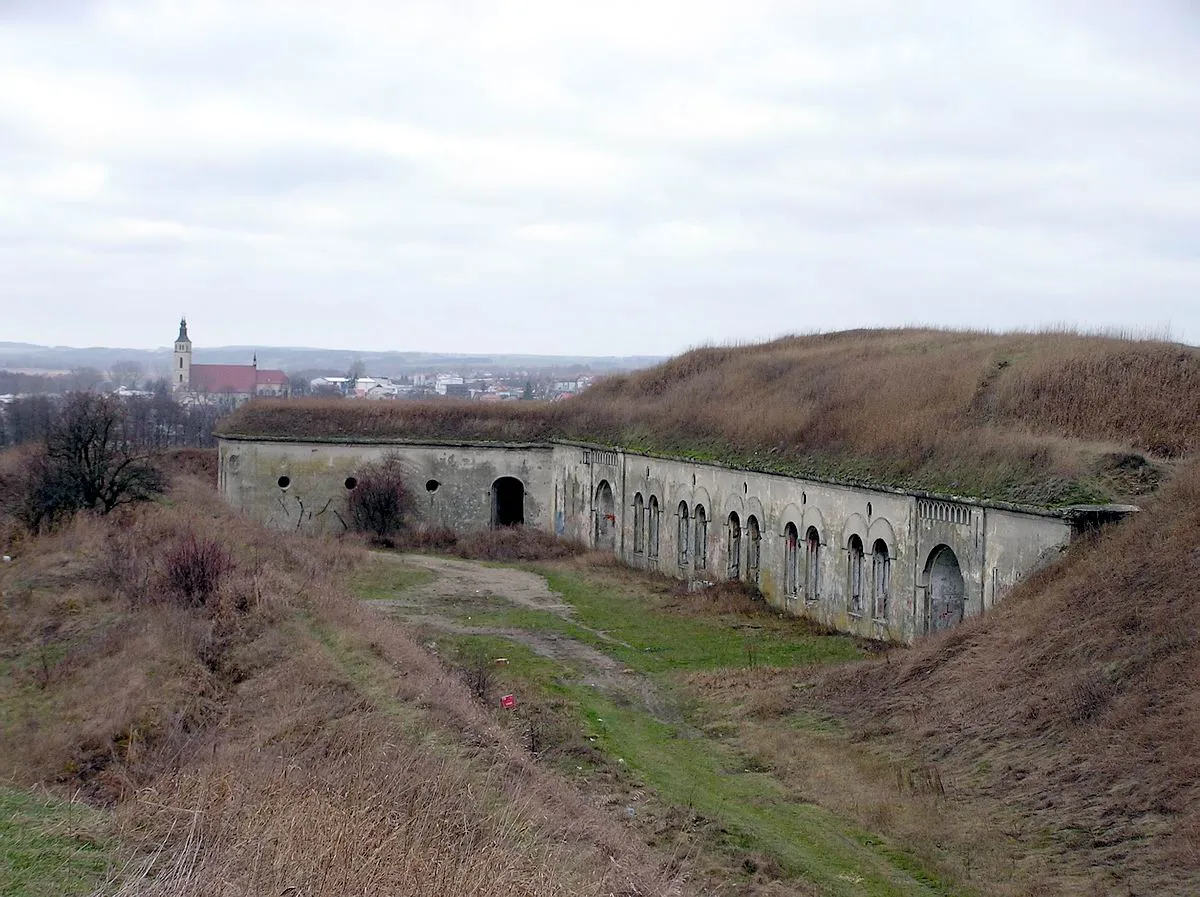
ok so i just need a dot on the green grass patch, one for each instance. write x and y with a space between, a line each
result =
814 723
753 809
362 667
50 848
748 806
380 578
749 810
663 642
525 671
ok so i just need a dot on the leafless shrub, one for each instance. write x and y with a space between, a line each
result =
514 543
194 566
478 671
381 503
427 538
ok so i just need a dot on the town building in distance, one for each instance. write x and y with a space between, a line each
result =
230 384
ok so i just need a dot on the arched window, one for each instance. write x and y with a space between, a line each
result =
753 549
701 538
653 527
684 536
791 551
639 524
733 547
881 580
606 517
812 565
854 556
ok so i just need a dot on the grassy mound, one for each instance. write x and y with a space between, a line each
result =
1037 418
1077 701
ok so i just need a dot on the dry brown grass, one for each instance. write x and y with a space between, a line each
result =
505 544
1075 703
276 736
1041 418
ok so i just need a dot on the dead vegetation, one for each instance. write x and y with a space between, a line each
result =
255 731
1046 418
510 543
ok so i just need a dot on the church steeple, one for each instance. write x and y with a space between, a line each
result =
181 362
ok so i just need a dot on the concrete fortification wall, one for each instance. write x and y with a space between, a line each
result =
880 563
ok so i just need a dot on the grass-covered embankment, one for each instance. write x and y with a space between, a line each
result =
258 731
1034 418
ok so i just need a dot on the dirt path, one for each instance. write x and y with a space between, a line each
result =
460 588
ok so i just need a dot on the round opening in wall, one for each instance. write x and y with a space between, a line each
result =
432 485
284 482
351 482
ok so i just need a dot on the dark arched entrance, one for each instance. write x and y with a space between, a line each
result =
945 590
606 518
508 502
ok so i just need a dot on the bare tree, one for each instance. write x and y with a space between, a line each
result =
380 501
85 378
88 463
126 372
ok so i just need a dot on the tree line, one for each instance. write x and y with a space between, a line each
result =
148 422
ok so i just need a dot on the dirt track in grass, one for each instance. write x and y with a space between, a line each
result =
459 590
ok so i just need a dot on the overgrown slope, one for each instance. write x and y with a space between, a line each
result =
1077 701
1048 418
264 730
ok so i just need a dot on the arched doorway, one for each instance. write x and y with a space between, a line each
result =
606 518
508 502
945 590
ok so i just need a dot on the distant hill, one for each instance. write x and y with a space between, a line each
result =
1048 419
298 358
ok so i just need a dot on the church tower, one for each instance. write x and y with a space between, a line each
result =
181 364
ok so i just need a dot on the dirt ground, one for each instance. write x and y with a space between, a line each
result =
460 588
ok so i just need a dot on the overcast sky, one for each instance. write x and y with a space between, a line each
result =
596 178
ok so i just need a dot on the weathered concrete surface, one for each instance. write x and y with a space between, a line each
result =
877 562
453 485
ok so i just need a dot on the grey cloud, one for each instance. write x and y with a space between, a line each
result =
504 177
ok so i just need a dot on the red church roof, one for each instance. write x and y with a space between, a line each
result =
233 378
272 378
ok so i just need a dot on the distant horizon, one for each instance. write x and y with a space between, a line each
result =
1149 333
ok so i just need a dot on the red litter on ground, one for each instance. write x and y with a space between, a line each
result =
508 702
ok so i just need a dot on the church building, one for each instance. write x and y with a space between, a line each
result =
231 383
